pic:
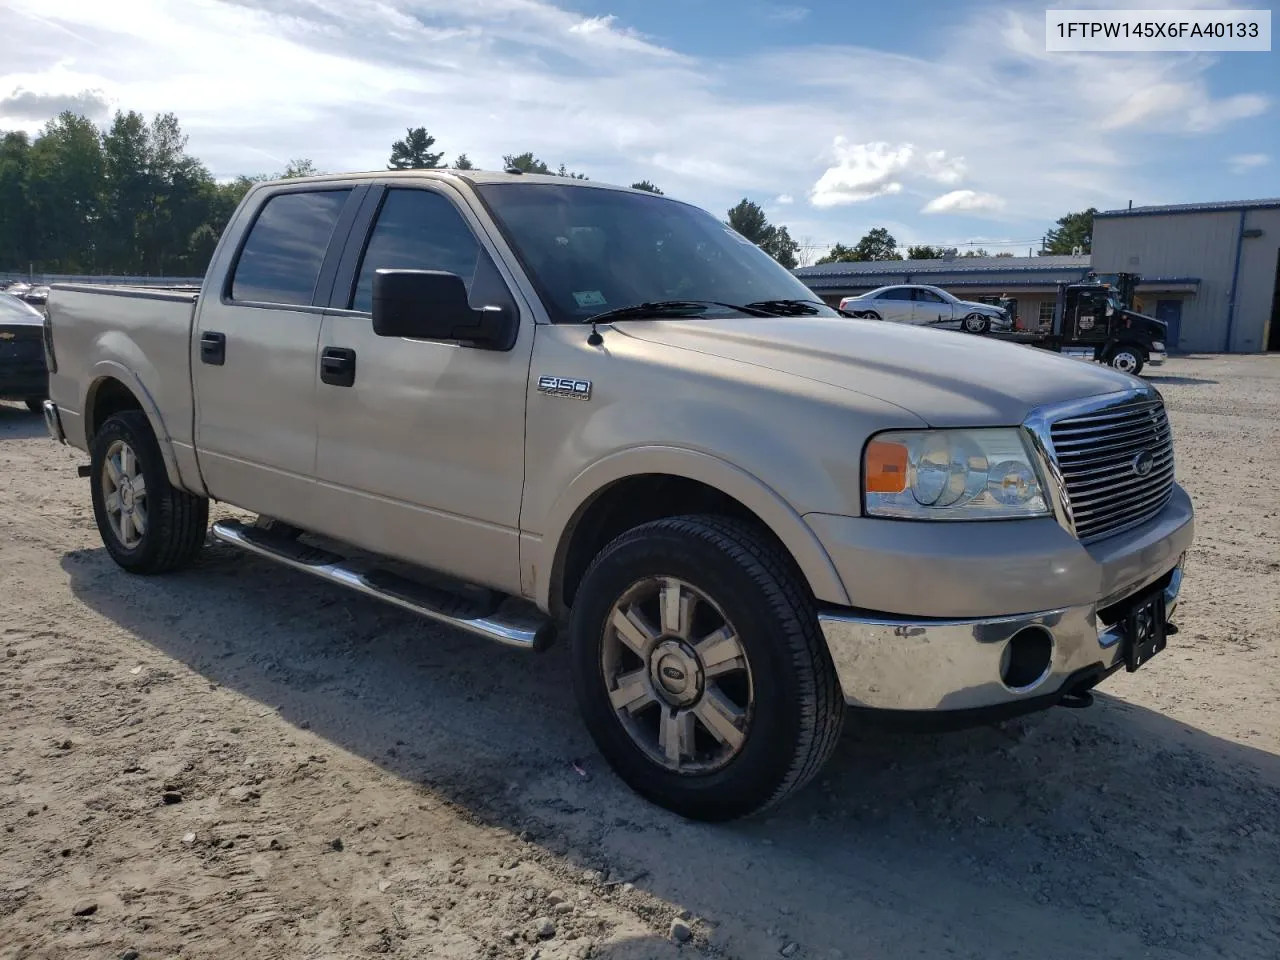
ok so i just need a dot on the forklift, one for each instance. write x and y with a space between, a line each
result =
1095 320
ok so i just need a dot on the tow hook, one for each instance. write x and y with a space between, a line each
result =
1077 699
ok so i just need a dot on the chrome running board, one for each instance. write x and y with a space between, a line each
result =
508 620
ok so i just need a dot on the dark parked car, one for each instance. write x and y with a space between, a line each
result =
23 372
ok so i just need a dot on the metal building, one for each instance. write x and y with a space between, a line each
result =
1232 247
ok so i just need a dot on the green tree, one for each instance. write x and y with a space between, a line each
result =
748 219
877 244
528 163
414 151
300 167
925 252
977 252
65 186
646 185
15 208
1073 230
839 253
463 163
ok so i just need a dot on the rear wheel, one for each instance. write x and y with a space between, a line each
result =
870 315
700 669
147 525
1127 359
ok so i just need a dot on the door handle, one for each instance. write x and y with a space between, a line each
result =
338 366
213 348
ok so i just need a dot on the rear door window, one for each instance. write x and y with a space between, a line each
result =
896 293
281 258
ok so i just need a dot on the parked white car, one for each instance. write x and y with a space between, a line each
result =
926 306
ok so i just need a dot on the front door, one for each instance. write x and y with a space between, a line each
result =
930 309
1170 311
421 444
254 356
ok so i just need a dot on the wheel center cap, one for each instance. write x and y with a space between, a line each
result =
676 675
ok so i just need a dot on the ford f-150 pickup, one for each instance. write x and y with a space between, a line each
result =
529 407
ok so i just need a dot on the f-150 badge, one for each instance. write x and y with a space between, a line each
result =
565 387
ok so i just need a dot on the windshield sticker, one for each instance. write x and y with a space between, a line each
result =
589 298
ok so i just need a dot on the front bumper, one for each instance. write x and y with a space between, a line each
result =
956 665
1156 357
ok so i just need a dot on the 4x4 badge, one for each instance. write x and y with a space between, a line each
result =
565 387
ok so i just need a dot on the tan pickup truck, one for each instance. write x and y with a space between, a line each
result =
532 407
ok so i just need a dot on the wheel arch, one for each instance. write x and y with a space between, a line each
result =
114 388
643 484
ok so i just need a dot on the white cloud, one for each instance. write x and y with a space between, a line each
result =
339 80
1244 162
863 171
785 198
963 201
785 12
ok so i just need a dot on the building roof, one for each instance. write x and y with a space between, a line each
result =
1215 206
957 265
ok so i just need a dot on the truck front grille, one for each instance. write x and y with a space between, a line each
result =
1116 466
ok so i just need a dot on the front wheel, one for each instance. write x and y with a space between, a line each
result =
147 524
700 669
977 323
1127 359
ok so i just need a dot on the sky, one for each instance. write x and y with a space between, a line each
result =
946 122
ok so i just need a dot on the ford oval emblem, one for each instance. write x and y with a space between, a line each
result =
673 673
1143 463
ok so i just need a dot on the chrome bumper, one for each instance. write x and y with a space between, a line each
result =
944 665
53 422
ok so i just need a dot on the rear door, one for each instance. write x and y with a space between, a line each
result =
421 447
254 353
895 304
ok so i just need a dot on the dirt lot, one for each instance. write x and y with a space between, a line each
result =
239 762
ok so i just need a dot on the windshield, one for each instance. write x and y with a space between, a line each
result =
590 250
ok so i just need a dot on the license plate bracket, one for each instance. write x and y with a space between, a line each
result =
1145 631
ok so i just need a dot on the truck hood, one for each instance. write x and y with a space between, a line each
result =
945 378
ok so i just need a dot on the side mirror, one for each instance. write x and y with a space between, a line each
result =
432 305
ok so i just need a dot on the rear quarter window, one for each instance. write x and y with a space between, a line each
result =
280 260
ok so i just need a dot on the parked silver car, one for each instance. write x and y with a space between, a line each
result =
927 306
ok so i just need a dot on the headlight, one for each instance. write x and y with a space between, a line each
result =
951 475
1157 346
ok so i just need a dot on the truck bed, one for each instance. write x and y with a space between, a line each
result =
139 335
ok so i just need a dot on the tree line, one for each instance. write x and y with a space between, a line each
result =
129 199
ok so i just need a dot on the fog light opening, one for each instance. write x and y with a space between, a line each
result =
1027 659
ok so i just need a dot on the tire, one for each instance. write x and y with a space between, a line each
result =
791 717
174 522
35 404
1127 359
870 315
977 323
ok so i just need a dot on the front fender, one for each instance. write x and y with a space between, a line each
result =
785 523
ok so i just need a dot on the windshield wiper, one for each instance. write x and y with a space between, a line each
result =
672 308
787 308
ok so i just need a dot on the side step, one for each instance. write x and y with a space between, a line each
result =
508 620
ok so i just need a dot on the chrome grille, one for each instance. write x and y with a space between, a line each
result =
1098 454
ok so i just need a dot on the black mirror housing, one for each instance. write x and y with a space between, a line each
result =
433 305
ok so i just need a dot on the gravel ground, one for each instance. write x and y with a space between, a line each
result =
237 761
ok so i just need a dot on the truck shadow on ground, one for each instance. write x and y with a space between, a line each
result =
1113 832
1201 381
19 423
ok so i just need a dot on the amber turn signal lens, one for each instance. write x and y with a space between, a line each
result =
886 469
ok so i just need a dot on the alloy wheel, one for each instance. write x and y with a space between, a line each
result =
677 675
124 494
